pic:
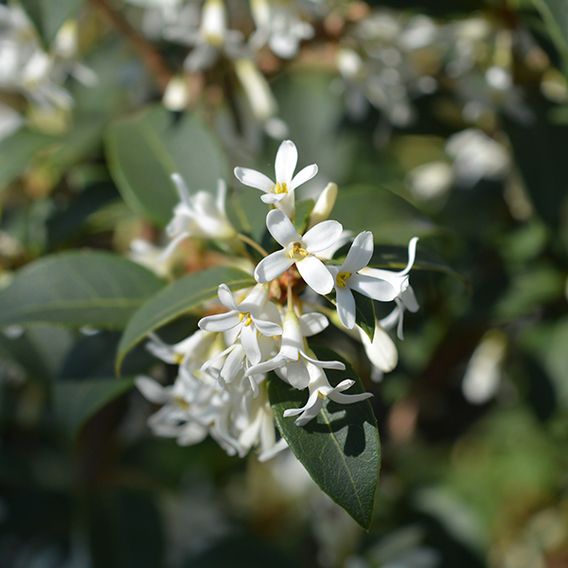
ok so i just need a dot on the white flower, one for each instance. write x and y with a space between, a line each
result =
347 278
381 351
278 24
200 215
260 97
404 297
300 251
294 357
10 121
211 38
151 256
243 319
173 420
320 391
190 353
280 192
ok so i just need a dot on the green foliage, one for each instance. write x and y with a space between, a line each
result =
49 15
178 299
340 448
76 402
77 289
145 149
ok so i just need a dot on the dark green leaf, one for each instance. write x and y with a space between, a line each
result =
76 289
145 149
390 218
76 402
340 449
555 15
178 299
18 151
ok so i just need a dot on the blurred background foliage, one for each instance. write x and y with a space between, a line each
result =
473 421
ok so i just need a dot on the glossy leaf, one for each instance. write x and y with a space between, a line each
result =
555 15
178 299
145 149
76 289
340 448
392 219
76 402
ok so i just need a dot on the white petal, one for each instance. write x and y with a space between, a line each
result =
360 252
220 322
316 275
345 306
313 323
304 175
381 351
286 160
249 342
281 228
152 390
348 398
409 300
374 288
322 236
273 198
335 365
272 266
226 297
267 327
296 373
266 366
181 186
324 204
411 255
255 179
233 364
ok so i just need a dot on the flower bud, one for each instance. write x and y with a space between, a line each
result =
324 205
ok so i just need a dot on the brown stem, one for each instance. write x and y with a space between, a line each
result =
149 55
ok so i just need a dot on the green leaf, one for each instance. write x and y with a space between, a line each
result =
145 149
340 448
303 211
18 151
391 218
178 299
76 289
555 15
48 16
76 402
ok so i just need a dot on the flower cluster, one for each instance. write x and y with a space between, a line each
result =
27 69
223 367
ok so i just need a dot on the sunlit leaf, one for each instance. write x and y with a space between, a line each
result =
340 448
178 299
76 289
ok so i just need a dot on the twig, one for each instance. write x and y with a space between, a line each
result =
150 56
252 243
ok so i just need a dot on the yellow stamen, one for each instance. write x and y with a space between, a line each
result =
246 318
182 403
178 358
342 278
297 251
281 187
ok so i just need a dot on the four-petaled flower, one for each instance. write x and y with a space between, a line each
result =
299 250
244 319
320 391
347 278
280 192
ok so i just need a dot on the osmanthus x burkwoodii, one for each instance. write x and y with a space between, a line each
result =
249 376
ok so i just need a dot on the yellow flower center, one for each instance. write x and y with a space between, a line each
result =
281 187
297 251
214 40
246 318
342 278
182 403
178 358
